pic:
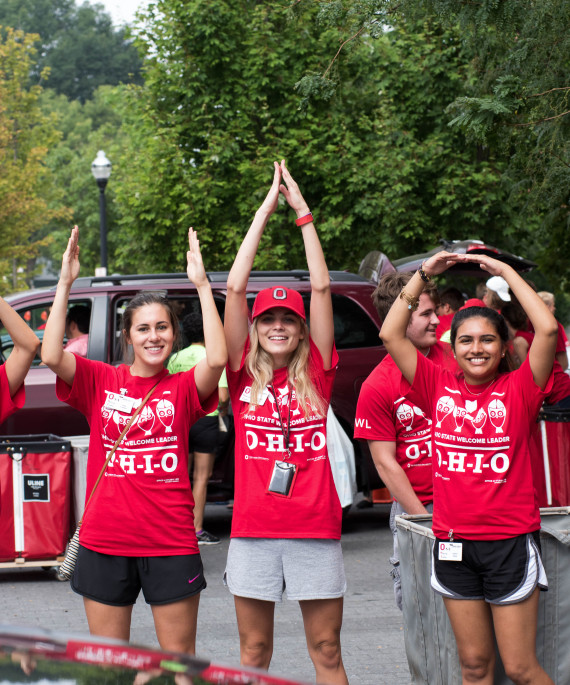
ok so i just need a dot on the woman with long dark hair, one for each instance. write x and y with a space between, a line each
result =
137 531
486 559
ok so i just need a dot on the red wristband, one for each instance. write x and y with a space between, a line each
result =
302 220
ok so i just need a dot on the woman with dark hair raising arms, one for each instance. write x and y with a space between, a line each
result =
137 531
486 561
287 516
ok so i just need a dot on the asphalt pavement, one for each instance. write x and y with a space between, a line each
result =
372 634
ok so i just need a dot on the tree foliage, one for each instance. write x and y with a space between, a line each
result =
516 107
79 45
27 194
85 129
378 164
521 106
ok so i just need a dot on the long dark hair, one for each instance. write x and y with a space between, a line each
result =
496 320
141 300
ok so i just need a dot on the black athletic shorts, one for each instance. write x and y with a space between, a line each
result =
204 435
117 580
498 571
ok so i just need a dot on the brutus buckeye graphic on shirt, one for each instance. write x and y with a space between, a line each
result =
141 450
455 406
461 447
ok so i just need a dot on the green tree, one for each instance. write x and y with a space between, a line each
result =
85 128
79 45
27 193
516 108
378 163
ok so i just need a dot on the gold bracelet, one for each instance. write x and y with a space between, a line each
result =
413 302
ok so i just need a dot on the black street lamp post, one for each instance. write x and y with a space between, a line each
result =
101 170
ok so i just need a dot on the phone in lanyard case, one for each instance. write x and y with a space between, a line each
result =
282 478
284 472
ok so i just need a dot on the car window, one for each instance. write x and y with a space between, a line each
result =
353 327
36 318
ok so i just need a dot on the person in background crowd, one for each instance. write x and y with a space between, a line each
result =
480 290
517 323
204 433
397 431
562 344
13 371
450 301
497 293
138 530
77 329
287 516
486 558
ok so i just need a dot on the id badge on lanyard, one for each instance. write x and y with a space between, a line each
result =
284 472
450 551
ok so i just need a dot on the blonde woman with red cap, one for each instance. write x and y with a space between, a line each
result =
287 516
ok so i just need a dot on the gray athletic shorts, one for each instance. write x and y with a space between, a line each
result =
262 568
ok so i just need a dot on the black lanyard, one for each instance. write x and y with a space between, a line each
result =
278 408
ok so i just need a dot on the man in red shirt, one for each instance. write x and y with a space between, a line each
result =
397 431
450 301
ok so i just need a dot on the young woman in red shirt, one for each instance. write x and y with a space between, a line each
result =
287 516
486 561
138 531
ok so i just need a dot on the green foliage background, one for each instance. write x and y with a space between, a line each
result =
403 122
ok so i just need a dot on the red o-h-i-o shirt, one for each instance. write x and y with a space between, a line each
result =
143 505
9 404
483 485
313 509
384 414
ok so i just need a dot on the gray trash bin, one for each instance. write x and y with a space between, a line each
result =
430 644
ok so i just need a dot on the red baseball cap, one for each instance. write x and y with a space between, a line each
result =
279 297
473 302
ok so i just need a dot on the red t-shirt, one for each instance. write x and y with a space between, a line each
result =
9 404
483 485
382 413
313 509
143 505
444 324
562 340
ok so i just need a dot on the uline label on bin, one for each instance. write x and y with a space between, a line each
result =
450 551
36 487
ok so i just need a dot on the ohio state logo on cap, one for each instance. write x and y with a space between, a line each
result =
279 297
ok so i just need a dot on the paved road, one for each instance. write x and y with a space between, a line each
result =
372 636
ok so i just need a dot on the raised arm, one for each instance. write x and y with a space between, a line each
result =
25 347
61 362
393 332
322 323
543 347
208 371
236 312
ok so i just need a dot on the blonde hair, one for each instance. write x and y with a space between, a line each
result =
546 297
259 366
